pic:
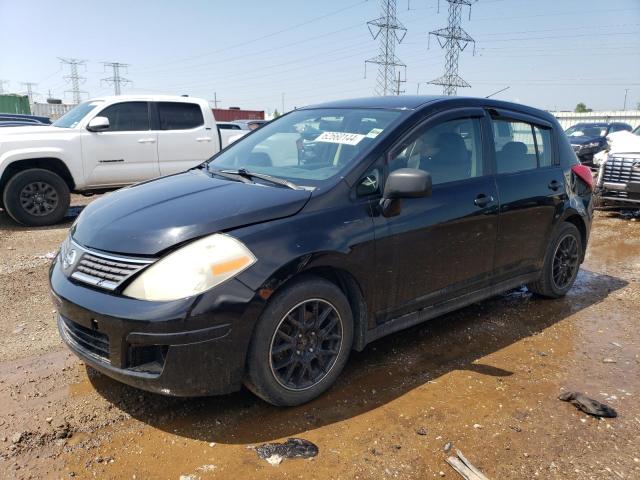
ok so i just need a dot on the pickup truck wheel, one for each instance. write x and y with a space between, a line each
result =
561 263
301 343
36 197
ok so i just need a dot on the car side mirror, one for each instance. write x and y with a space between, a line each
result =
404 183
98 124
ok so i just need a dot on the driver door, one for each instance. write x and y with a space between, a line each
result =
126 152
441 246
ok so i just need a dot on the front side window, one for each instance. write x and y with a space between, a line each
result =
527 148
127 117
308 146
449 151
179 115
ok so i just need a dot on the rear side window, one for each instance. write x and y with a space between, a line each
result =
127 117
179 115
527 146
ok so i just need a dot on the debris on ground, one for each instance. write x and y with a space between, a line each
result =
588 405
465 468
421 431
274 453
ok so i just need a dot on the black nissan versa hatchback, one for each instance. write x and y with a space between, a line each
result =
316 234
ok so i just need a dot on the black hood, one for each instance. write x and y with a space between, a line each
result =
150 217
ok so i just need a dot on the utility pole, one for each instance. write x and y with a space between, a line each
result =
116 79
398 82
215 100
29 90
454 39
282 113
387 30
626 90
74 78
2 84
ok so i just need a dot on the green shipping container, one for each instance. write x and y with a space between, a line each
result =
14 104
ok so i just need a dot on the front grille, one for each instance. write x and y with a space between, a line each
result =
620 170
93 342
103 270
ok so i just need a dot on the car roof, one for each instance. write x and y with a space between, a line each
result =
419 102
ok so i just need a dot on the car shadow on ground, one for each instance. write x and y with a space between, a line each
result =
384 371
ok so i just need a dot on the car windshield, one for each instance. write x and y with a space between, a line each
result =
637 131
75 115
587 131
307 146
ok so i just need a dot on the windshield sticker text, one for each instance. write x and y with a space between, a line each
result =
340 137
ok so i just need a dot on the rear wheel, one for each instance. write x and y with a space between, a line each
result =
561 264
301 343
36 197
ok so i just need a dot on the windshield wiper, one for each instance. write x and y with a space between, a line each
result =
243 172
230 175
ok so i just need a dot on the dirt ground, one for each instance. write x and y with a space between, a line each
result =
485 379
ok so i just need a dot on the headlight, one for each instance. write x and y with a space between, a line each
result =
192 269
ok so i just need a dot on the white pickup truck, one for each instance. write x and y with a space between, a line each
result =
102 144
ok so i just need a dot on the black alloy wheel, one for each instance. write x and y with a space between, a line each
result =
565 262
306 344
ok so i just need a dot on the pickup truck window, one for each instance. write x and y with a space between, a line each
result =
76 114
127 116
179 116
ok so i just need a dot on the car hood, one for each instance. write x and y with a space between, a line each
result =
583 140
150 217
31 130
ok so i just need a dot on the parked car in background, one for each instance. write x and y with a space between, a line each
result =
618 181
587 139
101 144
268 264
230 132
18 119
250 124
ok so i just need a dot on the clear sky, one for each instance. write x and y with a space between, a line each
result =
552 53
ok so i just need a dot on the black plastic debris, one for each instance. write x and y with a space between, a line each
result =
588 405
292 448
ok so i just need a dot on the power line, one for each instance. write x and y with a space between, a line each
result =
116 79
74 78
389 31
454 39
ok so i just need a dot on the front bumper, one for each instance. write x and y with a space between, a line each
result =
190 347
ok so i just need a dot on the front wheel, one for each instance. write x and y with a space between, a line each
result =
301 343
36 197
561 263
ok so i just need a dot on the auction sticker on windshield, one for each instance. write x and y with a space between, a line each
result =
340 137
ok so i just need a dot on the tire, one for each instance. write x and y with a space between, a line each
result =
36 197
566 239
298 358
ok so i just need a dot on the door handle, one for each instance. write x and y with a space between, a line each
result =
147 140
554 185
203 139
483 200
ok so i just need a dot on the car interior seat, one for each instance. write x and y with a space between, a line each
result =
451 160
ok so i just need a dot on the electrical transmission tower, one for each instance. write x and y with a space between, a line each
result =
29 90
116 79
74 78
2 84
388 30
454 39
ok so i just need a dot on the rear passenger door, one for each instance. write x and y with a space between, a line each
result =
184 140
530 189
